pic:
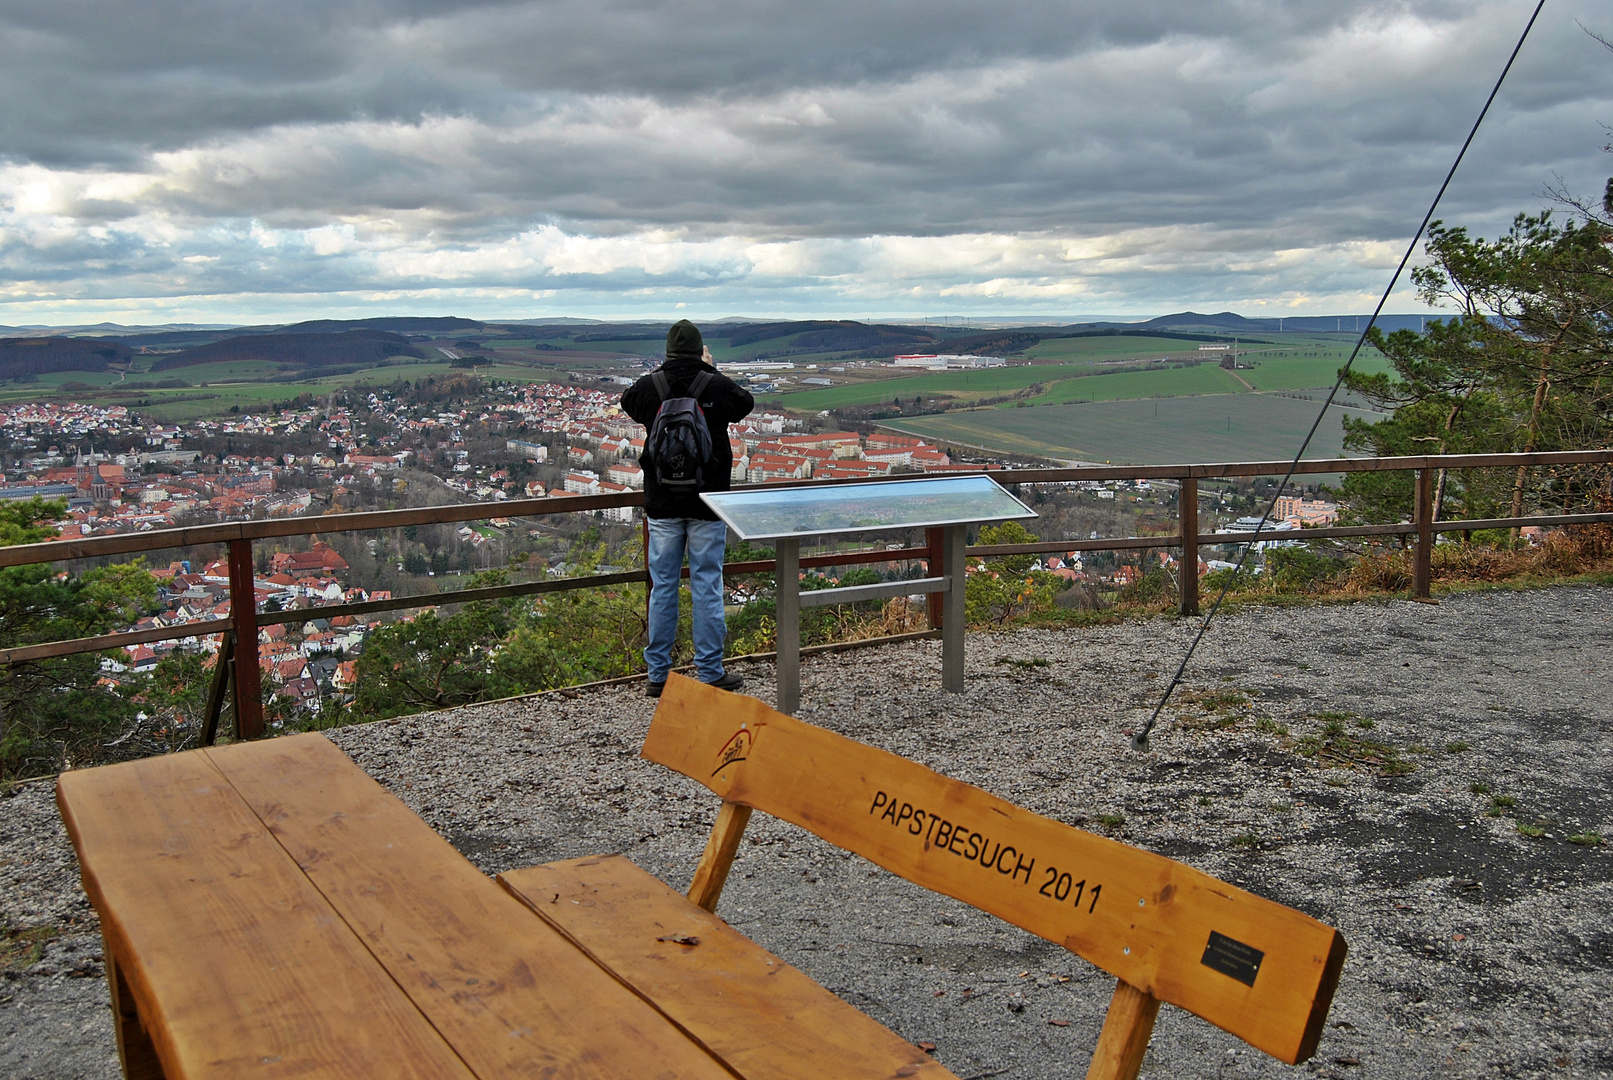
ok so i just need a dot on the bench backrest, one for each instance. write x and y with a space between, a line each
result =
1262 971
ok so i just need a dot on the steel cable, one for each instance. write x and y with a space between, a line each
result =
1139 741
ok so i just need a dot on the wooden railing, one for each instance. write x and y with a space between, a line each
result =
239 648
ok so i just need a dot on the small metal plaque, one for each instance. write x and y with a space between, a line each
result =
1234 958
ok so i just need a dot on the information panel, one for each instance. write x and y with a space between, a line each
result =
777 513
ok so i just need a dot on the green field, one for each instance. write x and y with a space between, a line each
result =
1120 385
984 382
1299 364
1157 431
222 371
1094 350
54 379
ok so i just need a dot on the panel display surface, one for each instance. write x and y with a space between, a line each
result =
776 513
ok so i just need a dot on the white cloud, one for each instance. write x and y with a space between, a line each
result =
1143 157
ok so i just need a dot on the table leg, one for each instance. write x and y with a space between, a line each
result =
135 1050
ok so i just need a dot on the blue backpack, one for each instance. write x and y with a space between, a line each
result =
678 448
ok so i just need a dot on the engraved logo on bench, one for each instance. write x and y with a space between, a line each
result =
736 749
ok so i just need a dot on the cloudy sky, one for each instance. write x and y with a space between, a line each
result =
248 160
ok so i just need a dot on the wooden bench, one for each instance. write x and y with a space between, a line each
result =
1169 933
271 911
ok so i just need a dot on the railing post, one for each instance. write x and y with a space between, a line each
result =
935 602
1422 565
644 542
244 616
1187 505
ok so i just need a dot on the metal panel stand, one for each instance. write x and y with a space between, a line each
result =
788 615
789 603
952 617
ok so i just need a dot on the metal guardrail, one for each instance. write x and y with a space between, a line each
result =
241 627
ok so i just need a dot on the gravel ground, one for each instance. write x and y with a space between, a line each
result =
1437 736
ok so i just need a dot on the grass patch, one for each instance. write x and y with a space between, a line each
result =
22 947
1337 748
1247 840
1217 709
1531 831
1587 839
1501 805
1111 821
1479 787
1457 747
1033 662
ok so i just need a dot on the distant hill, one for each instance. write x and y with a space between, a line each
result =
1310 324
558 321
995 341
43 355
317 350
628 334
1227 320
1115 331
179 339
399 324
834 336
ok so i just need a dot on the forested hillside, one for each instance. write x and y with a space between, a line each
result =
20 357
354 347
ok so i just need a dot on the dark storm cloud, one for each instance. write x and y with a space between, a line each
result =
1138 153
86 81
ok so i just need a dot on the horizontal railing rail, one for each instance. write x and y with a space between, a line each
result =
274 528
241 626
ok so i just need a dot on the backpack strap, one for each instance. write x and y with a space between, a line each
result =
701 381
662 387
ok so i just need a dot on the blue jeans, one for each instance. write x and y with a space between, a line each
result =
704 540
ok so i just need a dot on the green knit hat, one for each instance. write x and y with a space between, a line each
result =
684 340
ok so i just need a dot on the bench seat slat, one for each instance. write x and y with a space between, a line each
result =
514 998
238 965
1256 968
764 1018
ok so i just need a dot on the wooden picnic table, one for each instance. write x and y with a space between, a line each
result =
269 910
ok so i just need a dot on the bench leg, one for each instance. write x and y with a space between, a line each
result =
135 1051
1124 1039
721 846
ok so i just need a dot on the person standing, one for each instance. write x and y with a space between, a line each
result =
678 521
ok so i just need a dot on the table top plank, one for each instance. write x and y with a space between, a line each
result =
513 997
239 966
766 1019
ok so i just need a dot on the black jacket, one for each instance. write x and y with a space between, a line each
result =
723 401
